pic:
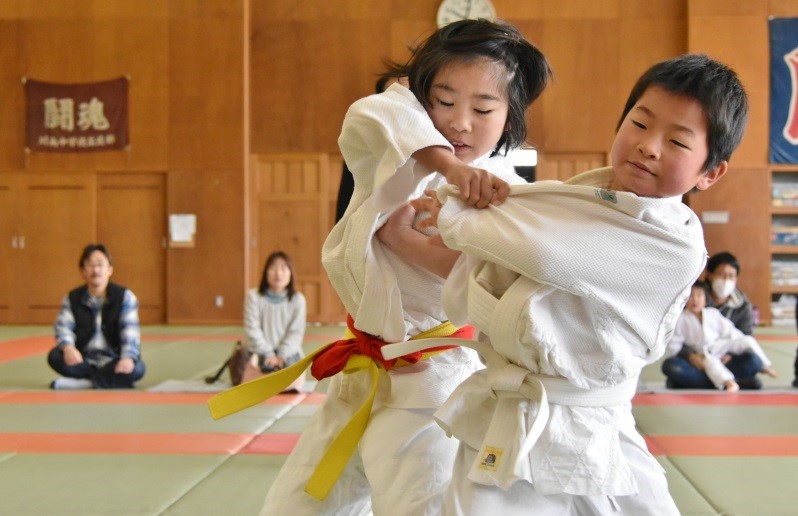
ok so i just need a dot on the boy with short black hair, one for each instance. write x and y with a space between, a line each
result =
551 278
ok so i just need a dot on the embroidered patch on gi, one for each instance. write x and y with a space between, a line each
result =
490 458
606 195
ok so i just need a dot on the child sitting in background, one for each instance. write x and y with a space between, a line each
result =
701 346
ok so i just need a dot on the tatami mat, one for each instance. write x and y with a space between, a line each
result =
156 451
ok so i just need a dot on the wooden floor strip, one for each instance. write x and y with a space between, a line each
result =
783 338
271 444
225 337
125 443
724 445
117 397
196 337
758 398
25 347
283 443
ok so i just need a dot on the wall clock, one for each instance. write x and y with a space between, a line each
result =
454 10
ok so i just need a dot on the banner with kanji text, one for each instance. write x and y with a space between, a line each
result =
783 90
84 117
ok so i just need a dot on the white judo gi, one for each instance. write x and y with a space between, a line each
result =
552 278
403 462
714 336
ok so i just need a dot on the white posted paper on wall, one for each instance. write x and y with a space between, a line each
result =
182 227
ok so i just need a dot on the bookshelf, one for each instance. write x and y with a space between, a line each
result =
783 242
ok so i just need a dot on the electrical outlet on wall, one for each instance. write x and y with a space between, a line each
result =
219 301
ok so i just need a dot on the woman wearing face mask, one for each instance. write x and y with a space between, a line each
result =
723 294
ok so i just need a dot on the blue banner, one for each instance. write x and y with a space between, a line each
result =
783 90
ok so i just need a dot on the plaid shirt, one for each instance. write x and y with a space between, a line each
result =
129 328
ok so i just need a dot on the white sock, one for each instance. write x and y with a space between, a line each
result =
71 383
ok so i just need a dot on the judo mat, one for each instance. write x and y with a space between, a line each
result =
203 386
155 450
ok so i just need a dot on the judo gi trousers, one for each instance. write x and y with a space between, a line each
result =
467 498
402 465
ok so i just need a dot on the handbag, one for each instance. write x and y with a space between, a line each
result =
235 363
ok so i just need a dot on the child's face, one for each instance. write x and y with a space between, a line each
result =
469 106
661 147
278 275
697 300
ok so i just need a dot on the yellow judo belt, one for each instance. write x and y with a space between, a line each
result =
343 446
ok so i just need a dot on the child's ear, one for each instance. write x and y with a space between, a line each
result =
710 177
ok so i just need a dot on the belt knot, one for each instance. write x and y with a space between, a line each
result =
332 360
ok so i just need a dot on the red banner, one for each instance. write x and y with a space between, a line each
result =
86 117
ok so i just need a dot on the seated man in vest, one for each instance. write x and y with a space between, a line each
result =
97 330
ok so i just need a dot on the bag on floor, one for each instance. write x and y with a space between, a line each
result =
236 364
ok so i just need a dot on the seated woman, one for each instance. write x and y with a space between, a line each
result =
274 320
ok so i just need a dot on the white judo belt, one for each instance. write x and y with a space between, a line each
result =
503 455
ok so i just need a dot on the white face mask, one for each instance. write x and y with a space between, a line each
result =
723 288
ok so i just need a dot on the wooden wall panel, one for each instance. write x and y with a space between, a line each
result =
535 115
83 41
520 11
715 27
292 226
45 220
643 22
700 10
579 108
131 221
80 41
187 63
287 57
53 52
597 50
581 9
718 34
783 8
333 11
206 158
745 194
84 48
149 86
215 265
652 10
405 34
291 212
8 250
11 96
712 28
562 166
57 219
206 105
